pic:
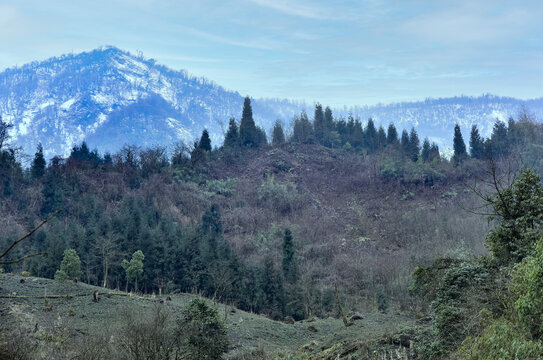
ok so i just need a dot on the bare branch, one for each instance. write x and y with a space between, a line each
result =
21 259
28 234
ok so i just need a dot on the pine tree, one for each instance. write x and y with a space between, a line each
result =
205 141
271 285
381 137
414 145
476 144
425 153
392 135
278 136
370 136
405 143
434 153
289 262
328 119
231 139
303 131
498 140
248 133
459 146
357 137
38 164
318 124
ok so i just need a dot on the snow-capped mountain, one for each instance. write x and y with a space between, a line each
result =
435 118
109 97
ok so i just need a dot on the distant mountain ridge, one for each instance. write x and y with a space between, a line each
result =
109 97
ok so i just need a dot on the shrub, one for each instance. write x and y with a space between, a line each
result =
222 187
148 336
60 276
501 340
528 287
203 334
71 264
280 197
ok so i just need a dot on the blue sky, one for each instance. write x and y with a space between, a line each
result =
336 52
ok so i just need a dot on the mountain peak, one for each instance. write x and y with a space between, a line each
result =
110 97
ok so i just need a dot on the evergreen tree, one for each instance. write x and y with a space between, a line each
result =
517 210
289 262
212 232
381 137
205 141
459 146
414 145
203 334
476 144
272 290
303 131
370 136
231 139
70 267
260 136
434 152
197 155
318 124
498 140
53 190
211 221
357 133
278 136
38 164
328 120
392 135
248 132
405 145
425 153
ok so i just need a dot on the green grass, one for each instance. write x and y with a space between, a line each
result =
74 313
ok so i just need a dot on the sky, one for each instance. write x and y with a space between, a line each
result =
339 52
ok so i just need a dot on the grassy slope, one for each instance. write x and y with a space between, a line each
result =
22 301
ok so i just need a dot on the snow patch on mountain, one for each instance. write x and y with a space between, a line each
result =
109 97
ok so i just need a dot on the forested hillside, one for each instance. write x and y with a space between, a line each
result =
273 228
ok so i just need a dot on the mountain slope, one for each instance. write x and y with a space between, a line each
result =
110 97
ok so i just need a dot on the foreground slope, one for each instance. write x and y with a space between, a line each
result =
69 314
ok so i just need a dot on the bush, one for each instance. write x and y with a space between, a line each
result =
71 264
149 336
528 287
60 276
203 334
501 340
222 187
280 197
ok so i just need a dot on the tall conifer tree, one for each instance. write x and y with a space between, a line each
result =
476 144
205 141
278 136
392 135
248 133
38 164
459 146
231 139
